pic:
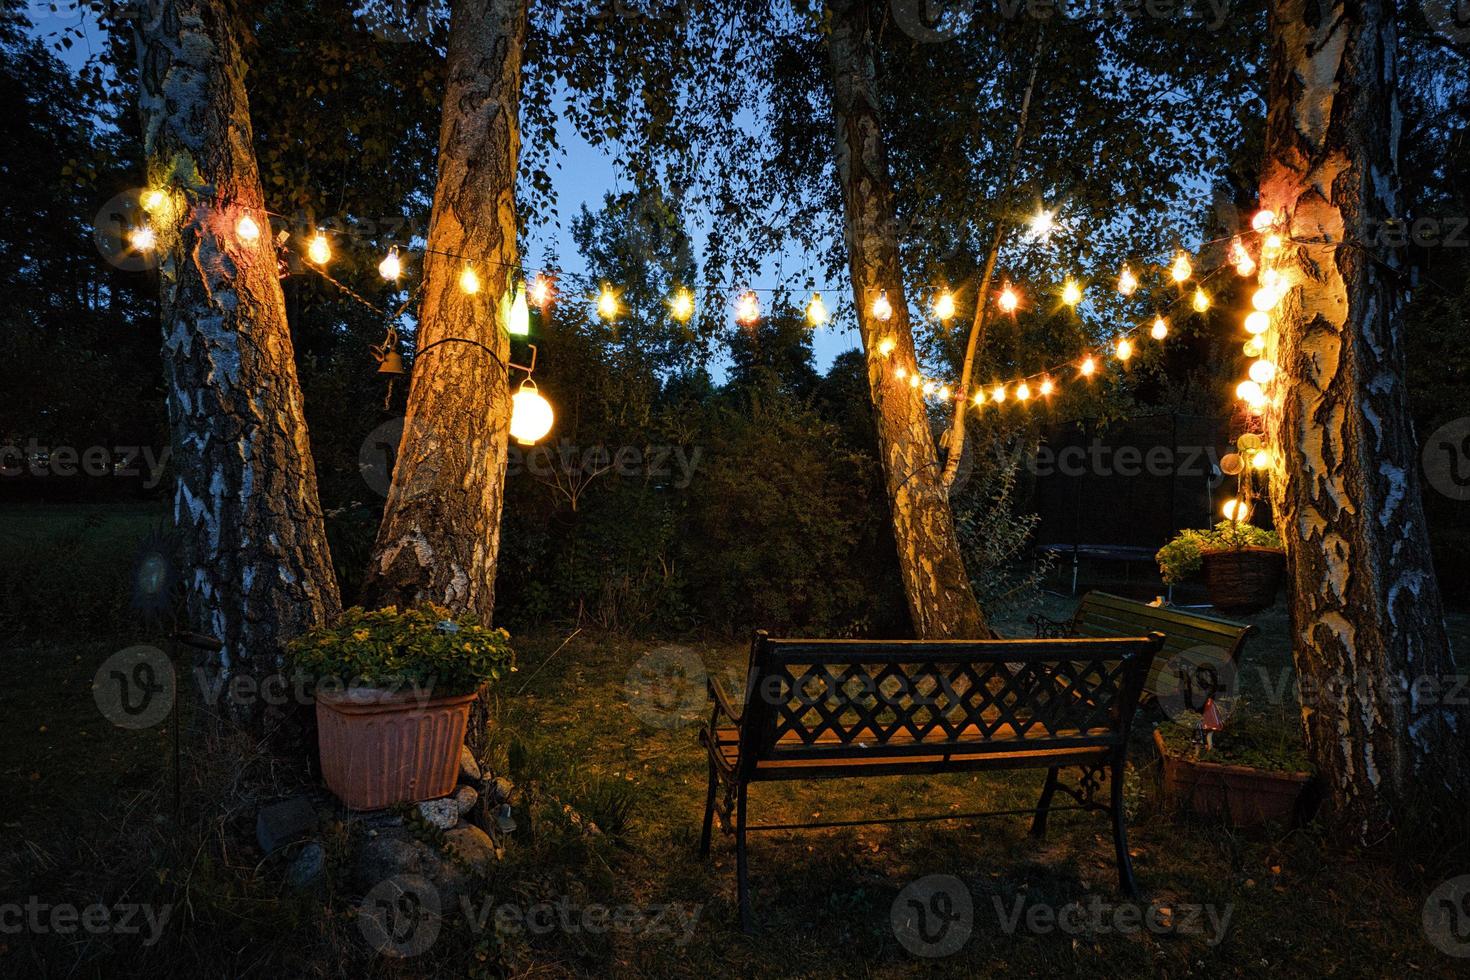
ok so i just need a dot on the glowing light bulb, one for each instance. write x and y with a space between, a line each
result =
1125 349
1263 219
1262 372
944 393
1260 460
1272 245
979 398
944 305
1254 347
882 309
542 291
1008 300
816 311
1257 323
155 201
1127 282
1236 510
999 394
469 280
681 307
1160 329
1264 299
607 304
1246 267
1201 301
886 345
391 267
519 322
531 416
748 309
1023 391
142 238
1089 365
915 380
1250 392
320 250
1182 269
930 387
1071 293
1047 387
247 230
900 372
1043 223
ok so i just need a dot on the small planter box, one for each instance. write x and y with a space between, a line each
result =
379 749
1244 580
1243 796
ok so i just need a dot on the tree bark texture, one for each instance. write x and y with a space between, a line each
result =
258 567
1368 625
440 536
941 601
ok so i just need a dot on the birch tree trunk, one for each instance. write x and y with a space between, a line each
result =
941 601
258 568
1367 621
440 535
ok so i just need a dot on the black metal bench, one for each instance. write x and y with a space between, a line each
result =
1201 653
828 709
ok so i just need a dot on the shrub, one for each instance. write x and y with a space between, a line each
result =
1181 557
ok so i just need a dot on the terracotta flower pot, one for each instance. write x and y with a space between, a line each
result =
1242 795
380 748
1244 580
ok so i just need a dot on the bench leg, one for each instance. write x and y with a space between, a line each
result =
709 812
742 879
1126 884
1038 823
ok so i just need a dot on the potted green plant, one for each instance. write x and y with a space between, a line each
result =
1236 764
393 691
1243 564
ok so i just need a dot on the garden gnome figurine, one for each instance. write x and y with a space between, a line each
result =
1210 722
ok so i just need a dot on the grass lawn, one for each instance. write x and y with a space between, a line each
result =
588 739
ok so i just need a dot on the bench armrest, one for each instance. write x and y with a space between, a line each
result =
1052 629
723 704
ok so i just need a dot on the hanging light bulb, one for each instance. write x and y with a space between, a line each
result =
1071 293
816 311
999 394
748 308
1008 300
882 309
1182 269
900 372
1257 323
391 267
930 387
885 346
1047 387
247 230
154 201
1260 459
1263 219
531 416
944 305
519 322
1043 223
469 280
979 398
1125 349
915 380
1265 299
944 393
320 250
1201 300
1262 372
1089 365
1246 267
542 291
1127 281
1254 347
1236 510
142 238
681 307
1160 329
1272 245
607 304
1250 392
1023 391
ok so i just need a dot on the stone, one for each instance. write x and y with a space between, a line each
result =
469 768
442 813
498 791
283 823
465 799
452 871
471 845
308 868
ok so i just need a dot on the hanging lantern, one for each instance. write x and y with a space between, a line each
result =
816 311
1236 510
154 201
999 394
391 267
882 309
1251 393
320 250
518 324
1043 223
530 414
1257 323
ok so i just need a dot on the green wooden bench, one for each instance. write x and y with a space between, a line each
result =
1200 656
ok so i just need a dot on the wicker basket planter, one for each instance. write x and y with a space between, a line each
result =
379 748
1242 796
1244 580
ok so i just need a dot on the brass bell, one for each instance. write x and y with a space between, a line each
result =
391 362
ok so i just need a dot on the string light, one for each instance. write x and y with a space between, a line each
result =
682 306
154 201
247 230
1125 349
1008 300
1236 510
320 250
944 305
944 393
1257 323
1023 391
999 394
915 380
1089 365
885 346
519 322
542 291
930 387
1201 300
1272 245
1071 293
1262 372
1260 460
607 304
1160 328
1263 219
1264 299
391 267
816 311
900 372
979 398
748 309
142 238
1047 387
1127 281
1254 347
1250 392
469 280
1043 223
882 309
1182 270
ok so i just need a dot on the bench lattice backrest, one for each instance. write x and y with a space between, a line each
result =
810 699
